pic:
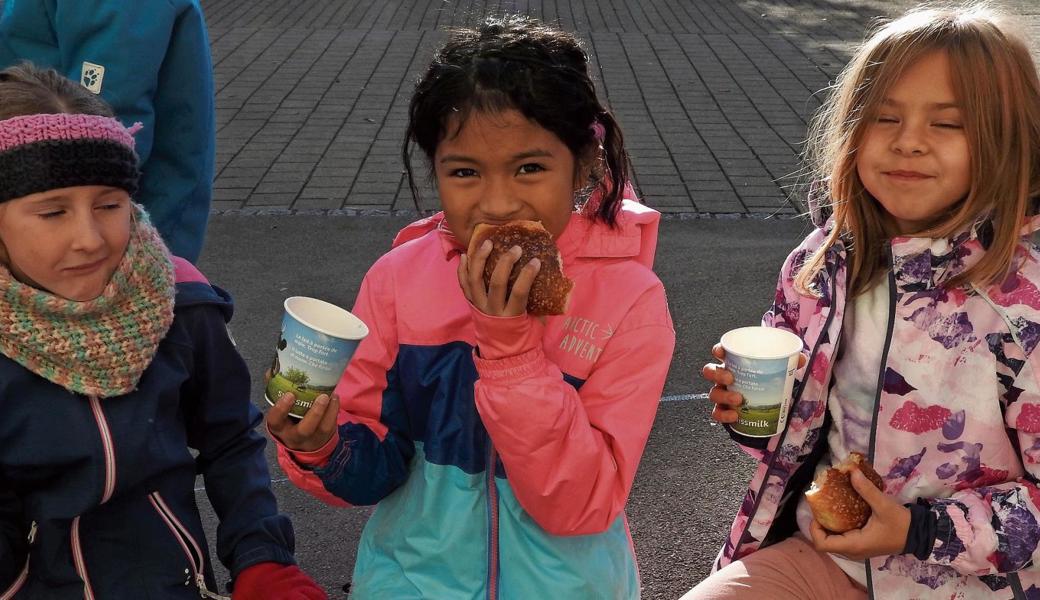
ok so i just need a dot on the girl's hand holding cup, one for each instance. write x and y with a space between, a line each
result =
316 342
311 432
726 401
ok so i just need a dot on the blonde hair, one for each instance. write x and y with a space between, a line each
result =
996 84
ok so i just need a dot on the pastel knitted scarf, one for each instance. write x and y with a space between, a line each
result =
102 346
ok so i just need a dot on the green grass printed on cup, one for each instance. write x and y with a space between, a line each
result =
304 397
757 420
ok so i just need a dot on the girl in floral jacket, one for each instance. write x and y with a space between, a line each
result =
919 305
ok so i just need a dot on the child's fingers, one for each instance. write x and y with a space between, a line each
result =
819 535
278 416
499 284
803 358
725 398
717 374
870 494
308 425
517 304
724 415
718 352
328 420
464 277
475 276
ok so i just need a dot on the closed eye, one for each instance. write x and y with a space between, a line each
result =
949 125
887 119
51 214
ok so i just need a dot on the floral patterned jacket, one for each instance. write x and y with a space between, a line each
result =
956 421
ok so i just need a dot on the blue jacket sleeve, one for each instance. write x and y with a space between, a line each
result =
221 423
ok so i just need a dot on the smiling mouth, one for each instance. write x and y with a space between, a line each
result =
907 175
86 268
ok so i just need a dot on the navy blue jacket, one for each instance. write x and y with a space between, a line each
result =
59 451
155 68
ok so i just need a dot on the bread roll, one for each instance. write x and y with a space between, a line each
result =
834 502
551 291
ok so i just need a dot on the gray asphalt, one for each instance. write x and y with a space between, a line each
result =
719 274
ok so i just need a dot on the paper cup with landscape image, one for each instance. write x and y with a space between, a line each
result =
316 343
763 361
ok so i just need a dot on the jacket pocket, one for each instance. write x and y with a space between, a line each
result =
24 575
192 550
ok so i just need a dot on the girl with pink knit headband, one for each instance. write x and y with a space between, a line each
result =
118 380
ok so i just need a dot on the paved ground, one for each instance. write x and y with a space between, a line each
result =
713 95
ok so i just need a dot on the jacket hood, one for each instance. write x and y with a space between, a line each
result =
194 289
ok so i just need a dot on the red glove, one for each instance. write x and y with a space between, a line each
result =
272 581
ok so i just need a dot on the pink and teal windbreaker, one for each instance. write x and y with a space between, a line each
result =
501 477
956 420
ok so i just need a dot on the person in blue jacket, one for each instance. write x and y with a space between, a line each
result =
119 381
150 60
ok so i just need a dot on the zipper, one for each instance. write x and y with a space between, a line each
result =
884 360
24 575
107 446
106 494
881 383
192 550
492 500
78 562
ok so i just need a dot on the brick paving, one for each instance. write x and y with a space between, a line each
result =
713 96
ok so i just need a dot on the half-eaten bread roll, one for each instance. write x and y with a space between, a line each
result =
551 290
834 502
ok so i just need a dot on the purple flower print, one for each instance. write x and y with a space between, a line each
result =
805 409
954 426
896 384
915 268
1028 332
933 576
1021 532
948 330
903 467
945 470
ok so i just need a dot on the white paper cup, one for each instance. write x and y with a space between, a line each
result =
316 344
763 361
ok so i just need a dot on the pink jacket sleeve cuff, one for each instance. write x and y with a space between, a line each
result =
500 337
511 367
311 458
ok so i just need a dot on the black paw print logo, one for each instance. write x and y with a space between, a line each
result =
90 77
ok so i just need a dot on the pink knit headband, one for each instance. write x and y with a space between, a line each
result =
27 129
48 152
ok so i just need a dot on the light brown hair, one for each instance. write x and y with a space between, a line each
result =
26 89
997 89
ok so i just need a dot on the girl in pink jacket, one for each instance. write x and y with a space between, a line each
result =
499 448
919 305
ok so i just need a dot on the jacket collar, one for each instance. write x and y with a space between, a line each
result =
921 263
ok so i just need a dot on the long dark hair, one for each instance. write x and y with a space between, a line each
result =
515 62
26 89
